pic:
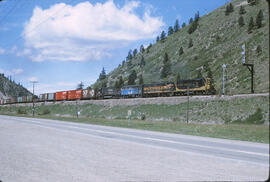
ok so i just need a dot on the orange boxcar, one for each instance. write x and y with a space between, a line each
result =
74 94
61 95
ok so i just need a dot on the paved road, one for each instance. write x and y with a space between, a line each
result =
48 150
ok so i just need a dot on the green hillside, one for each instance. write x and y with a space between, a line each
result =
9 88
216 41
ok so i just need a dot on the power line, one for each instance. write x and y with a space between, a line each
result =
10 11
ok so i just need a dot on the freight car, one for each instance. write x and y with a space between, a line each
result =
107 93
88 93
131 91
158 89
199 86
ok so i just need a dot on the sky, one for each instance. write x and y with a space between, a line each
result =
60 43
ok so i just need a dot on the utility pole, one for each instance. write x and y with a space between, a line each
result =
188 85
33 107
223 79
249 66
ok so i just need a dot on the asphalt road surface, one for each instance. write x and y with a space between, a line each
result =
48 150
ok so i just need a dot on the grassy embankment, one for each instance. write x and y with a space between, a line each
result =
239 119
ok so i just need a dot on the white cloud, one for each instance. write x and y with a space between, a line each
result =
2 51
86 31
33 79
12 72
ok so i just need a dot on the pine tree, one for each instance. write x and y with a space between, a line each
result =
162 36
259 49
140 80
190 43
120 81
227 11
132 77
129 57
166 69
102 75
176 26
193 27
177 78
80 86
104 83
199 74
197 16
116 84
242 10
181 51
170 30
157 39
142 63
183 25
250 25
135 52
241 21
190 20
142 49
259 19
148 48
231 8
123 62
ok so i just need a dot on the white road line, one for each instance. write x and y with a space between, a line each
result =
153 139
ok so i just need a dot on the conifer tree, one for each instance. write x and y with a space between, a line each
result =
181 51
176 26
142 49
259 19
242 10
193 27
116 84
129 57
142 63
170 30
227 11
141 80
102 75
177 78
259 49
135 52
231 8
120 81
199 74
80 86
166 69
197 16
183 25
132 77
190 20
241 21
162 36
157 39
250 25
190 43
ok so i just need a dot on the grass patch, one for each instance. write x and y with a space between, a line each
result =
256 118
247 132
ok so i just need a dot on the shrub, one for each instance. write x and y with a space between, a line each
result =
21 111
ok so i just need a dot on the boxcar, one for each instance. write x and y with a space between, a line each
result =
131 91
158 89
29 98
61 95
110 92
88 93
74 94
43 97
50 96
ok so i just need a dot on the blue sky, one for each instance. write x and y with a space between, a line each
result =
62 42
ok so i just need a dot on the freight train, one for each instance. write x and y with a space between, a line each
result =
199 86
